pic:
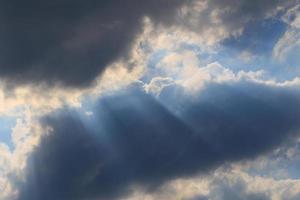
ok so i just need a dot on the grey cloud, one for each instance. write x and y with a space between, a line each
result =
70 42
134 140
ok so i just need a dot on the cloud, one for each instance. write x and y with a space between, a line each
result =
226 182
241 185
189 117
234 189
25 137
229 18
291 39
71 42
132 140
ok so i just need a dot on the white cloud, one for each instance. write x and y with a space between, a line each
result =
184 68
289 41
25 137
291 38
157 84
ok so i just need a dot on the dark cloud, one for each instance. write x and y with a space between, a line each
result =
233 117
130 143
70 41
134 140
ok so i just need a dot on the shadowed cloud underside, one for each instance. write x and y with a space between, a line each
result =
133 140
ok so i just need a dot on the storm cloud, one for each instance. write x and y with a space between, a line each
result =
132 140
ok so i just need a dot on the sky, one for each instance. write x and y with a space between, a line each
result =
147 100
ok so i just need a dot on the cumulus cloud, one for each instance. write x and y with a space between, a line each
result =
134 140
